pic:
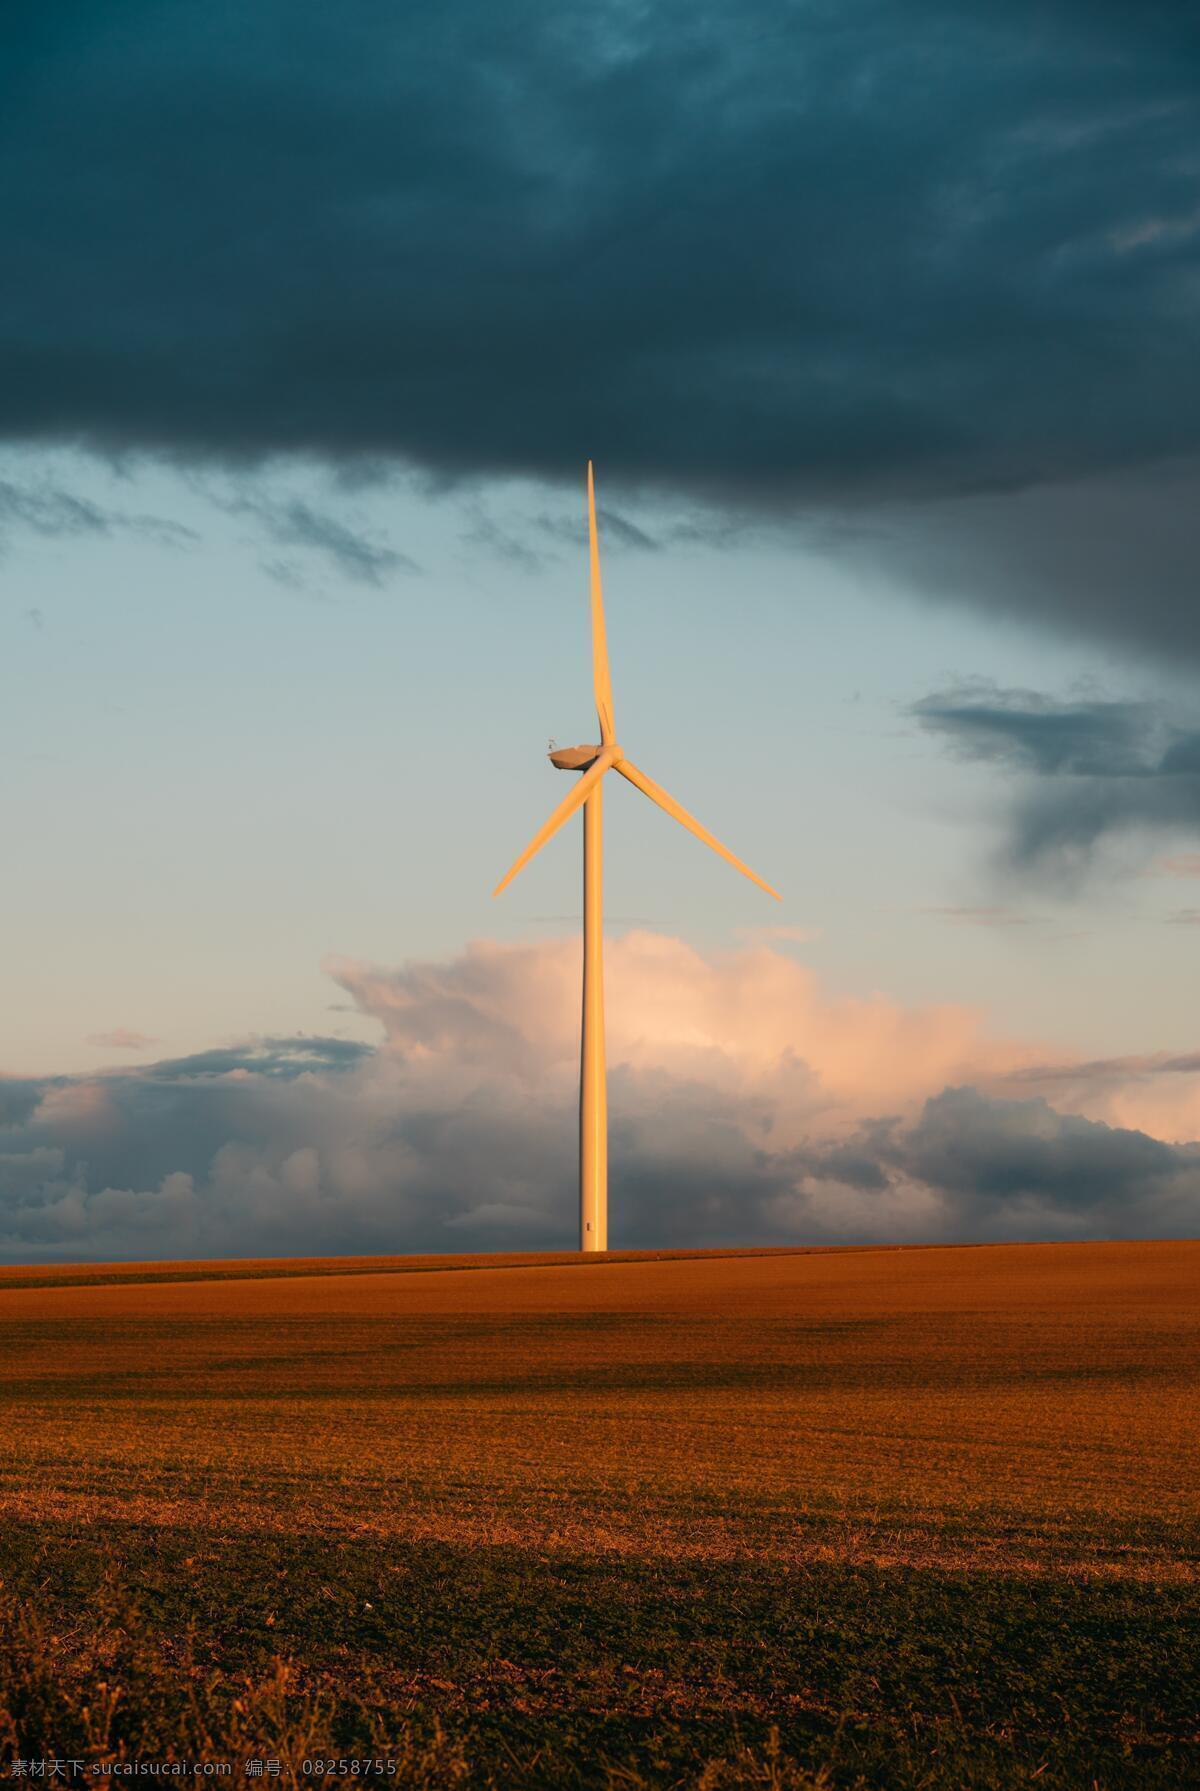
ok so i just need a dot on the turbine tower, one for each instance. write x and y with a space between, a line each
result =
594 762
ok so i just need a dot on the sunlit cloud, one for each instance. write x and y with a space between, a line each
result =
749 1104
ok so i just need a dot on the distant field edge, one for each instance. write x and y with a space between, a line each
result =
101 1274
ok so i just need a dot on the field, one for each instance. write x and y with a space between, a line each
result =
895 1518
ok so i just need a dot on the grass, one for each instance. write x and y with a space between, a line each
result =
918 1519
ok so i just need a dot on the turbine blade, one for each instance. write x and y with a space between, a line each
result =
656 794
575 799
600 673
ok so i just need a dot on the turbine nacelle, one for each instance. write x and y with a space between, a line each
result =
575 758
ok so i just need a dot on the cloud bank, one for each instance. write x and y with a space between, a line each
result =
748 1105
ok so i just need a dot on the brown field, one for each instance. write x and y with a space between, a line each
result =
929 1514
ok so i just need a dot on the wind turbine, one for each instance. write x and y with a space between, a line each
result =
594 762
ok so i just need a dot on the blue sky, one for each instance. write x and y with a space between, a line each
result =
236 758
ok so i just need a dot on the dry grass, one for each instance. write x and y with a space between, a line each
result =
915 1511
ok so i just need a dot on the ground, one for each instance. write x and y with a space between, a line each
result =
894 1518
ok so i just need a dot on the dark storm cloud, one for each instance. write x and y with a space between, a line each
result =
50 510
617 531
293 522
1111 555
1086 770
525 546
969 1167
350 1161
809 256
1028 731
1008 1163
19 1096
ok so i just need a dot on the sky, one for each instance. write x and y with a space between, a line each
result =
881 325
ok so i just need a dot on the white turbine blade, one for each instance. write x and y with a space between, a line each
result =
600 673
575 799
656 794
